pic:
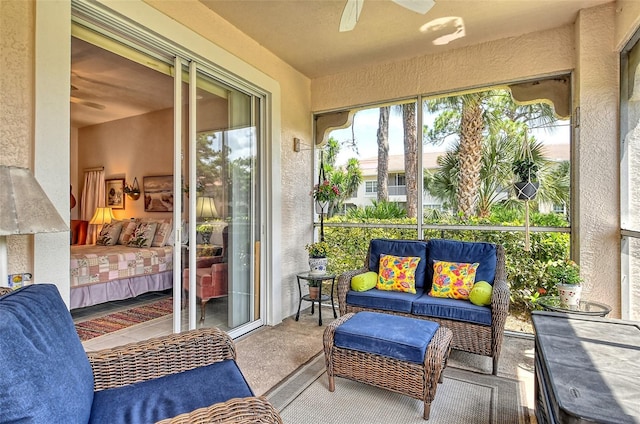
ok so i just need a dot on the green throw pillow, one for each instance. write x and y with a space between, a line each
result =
481 293
364 282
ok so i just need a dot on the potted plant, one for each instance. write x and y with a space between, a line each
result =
566 275
317 259
205 230
132 191
526 172
325 194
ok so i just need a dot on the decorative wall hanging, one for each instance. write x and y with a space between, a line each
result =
158 193
114 193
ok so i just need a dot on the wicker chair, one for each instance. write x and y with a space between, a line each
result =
469 337
148 360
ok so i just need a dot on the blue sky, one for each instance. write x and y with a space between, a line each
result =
366 128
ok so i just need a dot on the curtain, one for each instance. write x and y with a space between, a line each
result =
93 196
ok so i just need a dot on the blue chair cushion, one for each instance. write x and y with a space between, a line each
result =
402 338
404 248
171 395
45 374
464 251
384 300
454 309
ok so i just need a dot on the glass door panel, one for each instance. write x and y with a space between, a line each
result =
224 160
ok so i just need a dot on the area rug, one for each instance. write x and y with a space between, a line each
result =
463 397
118 320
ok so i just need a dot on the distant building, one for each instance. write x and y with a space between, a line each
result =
368 190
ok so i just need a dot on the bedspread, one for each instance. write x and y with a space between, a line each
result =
92 264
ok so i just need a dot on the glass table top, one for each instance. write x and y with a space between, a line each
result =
552 303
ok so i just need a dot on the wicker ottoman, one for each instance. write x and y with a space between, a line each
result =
397 353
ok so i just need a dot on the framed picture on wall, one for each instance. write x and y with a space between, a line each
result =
158 193
114 193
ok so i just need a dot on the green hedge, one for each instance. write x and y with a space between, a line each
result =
526 271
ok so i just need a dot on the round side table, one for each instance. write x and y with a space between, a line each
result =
306 276
552 303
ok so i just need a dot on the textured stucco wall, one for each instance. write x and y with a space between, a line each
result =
16 107
596 205
494 62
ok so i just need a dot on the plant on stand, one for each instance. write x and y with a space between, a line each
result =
318 257
566 275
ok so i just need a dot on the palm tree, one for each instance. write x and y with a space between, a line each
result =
472 118
383 154
410 157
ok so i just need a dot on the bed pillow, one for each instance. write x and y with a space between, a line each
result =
143 234
128 227
162 234
109 234
397 273
453 279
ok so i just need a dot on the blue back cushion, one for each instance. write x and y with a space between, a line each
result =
467 252
45 376
404 248
170 395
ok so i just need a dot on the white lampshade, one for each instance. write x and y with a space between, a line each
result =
205 208
24 209
102 216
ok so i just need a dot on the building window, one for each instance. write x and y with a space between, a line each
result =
370 187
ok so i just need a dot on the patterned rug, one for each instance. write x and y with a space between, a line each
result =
123 319
463 397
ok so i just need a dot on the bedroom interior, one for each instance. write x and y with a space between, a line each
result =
122 125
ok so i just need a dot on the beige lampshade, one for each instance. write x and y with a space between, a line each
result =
102 216
205 208
24 206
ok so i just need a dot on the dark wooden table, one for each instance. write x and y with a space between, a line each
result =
587 369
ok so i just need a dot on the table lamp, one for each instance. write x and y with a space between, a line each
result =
24 209
102 216
206 209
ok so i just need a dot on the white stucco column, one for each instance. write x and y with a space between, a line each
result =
595 201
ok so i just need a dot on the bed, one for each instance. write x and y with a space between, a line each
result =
114 272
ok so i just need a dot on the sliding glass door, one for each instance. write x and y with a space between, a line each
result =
222 173
205 141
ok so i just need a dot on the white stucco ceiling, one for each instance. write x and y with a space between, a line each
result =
304 33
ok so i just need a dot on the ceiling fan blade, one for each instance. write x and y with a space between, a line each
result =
87 103
350 15
418 6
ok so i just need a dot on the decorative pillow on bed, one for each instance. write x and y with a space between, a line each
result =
397 273
143 234
162 234
128 227
109 234
453 279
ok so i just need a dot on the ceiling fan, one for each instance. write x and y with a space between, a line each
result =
352 9
82 102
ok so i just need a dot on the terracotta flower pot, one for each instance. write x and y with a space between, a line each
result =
314 292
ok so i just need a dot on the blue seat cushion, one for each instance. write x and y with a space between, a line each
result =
402 338
466 252
454 309
45 376
171 395
384 300
403 248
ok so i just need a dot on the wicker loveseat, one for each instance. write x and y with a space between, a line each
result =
47 377
476 329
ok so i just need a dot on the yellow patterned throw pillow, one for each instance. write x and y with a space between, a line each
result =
397 273
453 279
